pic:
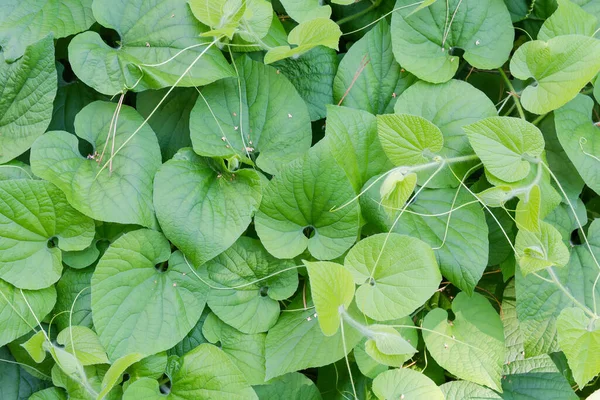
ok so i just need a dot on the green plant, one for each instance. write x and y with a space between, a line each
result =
299 199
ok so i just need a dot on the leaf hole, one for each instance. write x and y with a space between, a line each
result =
264 291
309 231
456 52
165 387
575 238
52 242
370 281
110 37
162 267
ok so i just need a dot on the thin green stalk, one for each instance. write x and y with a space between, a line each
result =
513 93
568 294
359 14
539 119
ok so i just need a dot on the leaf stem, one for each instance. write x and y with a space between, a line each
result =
569 295
512 92
539 119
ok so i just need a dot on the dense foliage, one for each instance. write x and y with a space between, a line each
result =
299 199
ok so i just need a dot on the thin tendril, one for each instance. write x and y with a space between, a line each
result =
347 361
17 167
382 17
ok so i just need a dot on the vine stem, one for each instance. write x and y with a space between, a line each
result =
359 14
569 295
512 92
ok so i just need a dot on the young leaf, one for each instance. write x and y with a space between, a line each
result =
541 250
387 346
527 214
394 280
307 35
332 291
271 125
88 349
36 223
202 207
295 213
223 16
426 42
35 346
568 19
159 292
150 34
305 10
116 371
506 146
206 372
369 78
253 306
580 138
579 339
395 383
560 66
409 139
472 345
119 193
396 189
28 90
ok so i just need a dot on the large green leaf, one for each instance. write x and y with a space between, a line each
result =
270 125
425 42
396 274
507 146
579 339
459 237
405 383
206 373
468 391
150 53
292 386
296 209
36 223
472 345
450 106
544 385
246 351
171 120
144 299
15 315
121 193
202 207
253 306
23 23
353 141
568 19
28 89
369 78
560 67
580 138
15 382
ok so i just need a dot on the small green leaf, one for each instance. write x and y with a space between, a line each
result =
387 346
472 345
395 383
541 250
561 67
332 290
568 19
35 346
506 146
222 16
305 10
84 344
116 371
527 214
396 189
307 35
394 280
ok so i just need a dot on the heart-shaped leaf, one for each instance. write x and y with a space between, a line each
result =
568 19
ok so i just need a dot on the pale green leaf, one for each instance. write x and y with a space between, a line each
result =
223 16
52 393
527 213
78 391
368 366
139 284
396 189
84 344
387 346
202 207
305 10
541 250
34 346
464 390
568 19
405 382
121 193
115 372
561 67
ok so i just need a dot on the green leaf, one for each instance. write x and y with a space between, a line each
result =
296 209
171 120
312 75
527 214
353 141
579 338
246 351
472 345
405 382
580 139
34 346
425 42
368 366
73 290
507 146
77 390
468 391
396 274
409 139
305 36
192 339
292 386
396 189
15 382
202 207
84 344
206 373
15 313
305 10
369 78
36 223
551 386
28 90
121 193
138 284
271 120
387 346
568 19
52 393
23 23
116 371
332 291
258 281
151 34
222 16
296 341
15 169
541 250
459 237
561 67
449 106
